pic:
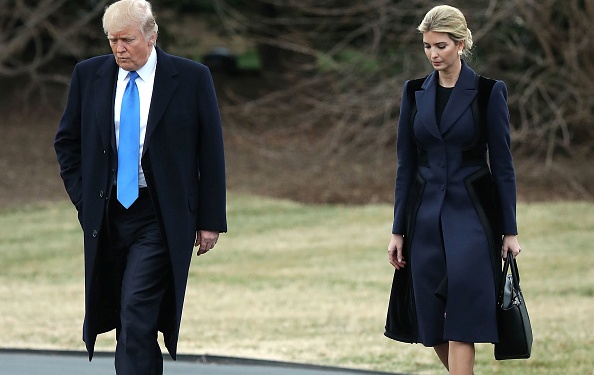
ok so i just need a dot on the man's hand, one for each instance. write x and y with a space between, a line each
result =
205 240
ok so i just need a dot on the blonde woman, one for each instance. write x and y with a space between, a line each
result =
455 200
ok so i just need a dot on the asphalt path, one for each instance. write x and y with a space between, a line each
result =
37 362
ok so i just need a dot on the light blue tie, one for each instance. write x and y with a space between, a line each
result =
129 143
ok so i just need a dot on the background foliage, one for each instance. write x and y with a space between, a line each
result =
330 73
349 59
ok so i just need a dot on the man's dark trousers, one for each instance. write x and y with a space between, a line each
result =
142 263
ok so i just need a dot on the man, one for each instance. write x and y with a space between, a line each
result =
141 155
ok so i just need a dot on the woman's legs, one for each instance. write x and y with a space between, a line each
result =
442 352
457 357
461 358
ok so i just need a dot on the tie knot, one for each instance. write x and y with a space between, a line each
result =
133 75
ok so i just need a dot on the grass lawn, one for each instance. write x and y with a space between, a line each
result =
302 283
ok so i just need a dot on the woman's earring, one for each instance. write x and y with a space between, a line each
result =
460 53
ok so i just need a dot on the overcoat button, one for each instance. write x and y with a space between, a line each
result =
101 194
94 233
442 187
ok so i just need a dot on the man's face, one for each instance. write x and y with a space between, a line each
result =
130 48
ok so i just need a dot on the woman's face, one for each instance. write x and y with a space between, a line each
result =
442 51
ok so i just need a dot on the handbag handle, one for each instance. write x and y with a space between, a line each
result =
510 263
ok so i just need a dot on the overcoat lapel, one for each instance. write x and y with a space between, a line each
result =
425 102
166 83
104 87
462 96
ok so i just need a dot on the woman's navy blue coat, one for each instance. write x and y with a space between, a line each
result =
441 186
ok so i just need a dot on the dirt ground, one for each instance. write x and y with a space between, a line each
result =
259 164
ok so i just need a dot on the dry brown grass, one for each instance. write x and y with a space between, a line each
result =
301 283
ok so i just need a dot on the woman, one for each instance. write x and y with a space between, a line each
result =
455 198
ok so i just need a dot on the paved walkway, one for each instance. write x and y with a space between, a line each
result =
33 362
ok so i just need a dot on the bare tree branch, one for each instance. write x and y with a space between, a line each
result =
34 35
349 59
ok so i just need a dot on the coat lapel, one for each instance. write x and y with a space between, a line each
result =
462 96
104 88
165 85
425 101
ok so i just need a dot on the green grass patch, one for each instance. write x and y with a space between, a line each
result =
302 283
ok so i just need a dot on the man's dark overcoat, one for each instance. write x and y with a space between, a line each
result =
183 163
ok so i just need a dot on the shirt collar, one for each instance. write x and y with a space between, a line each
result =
147 69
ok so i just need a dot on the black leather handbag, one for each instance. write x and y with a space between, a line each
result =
513 323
